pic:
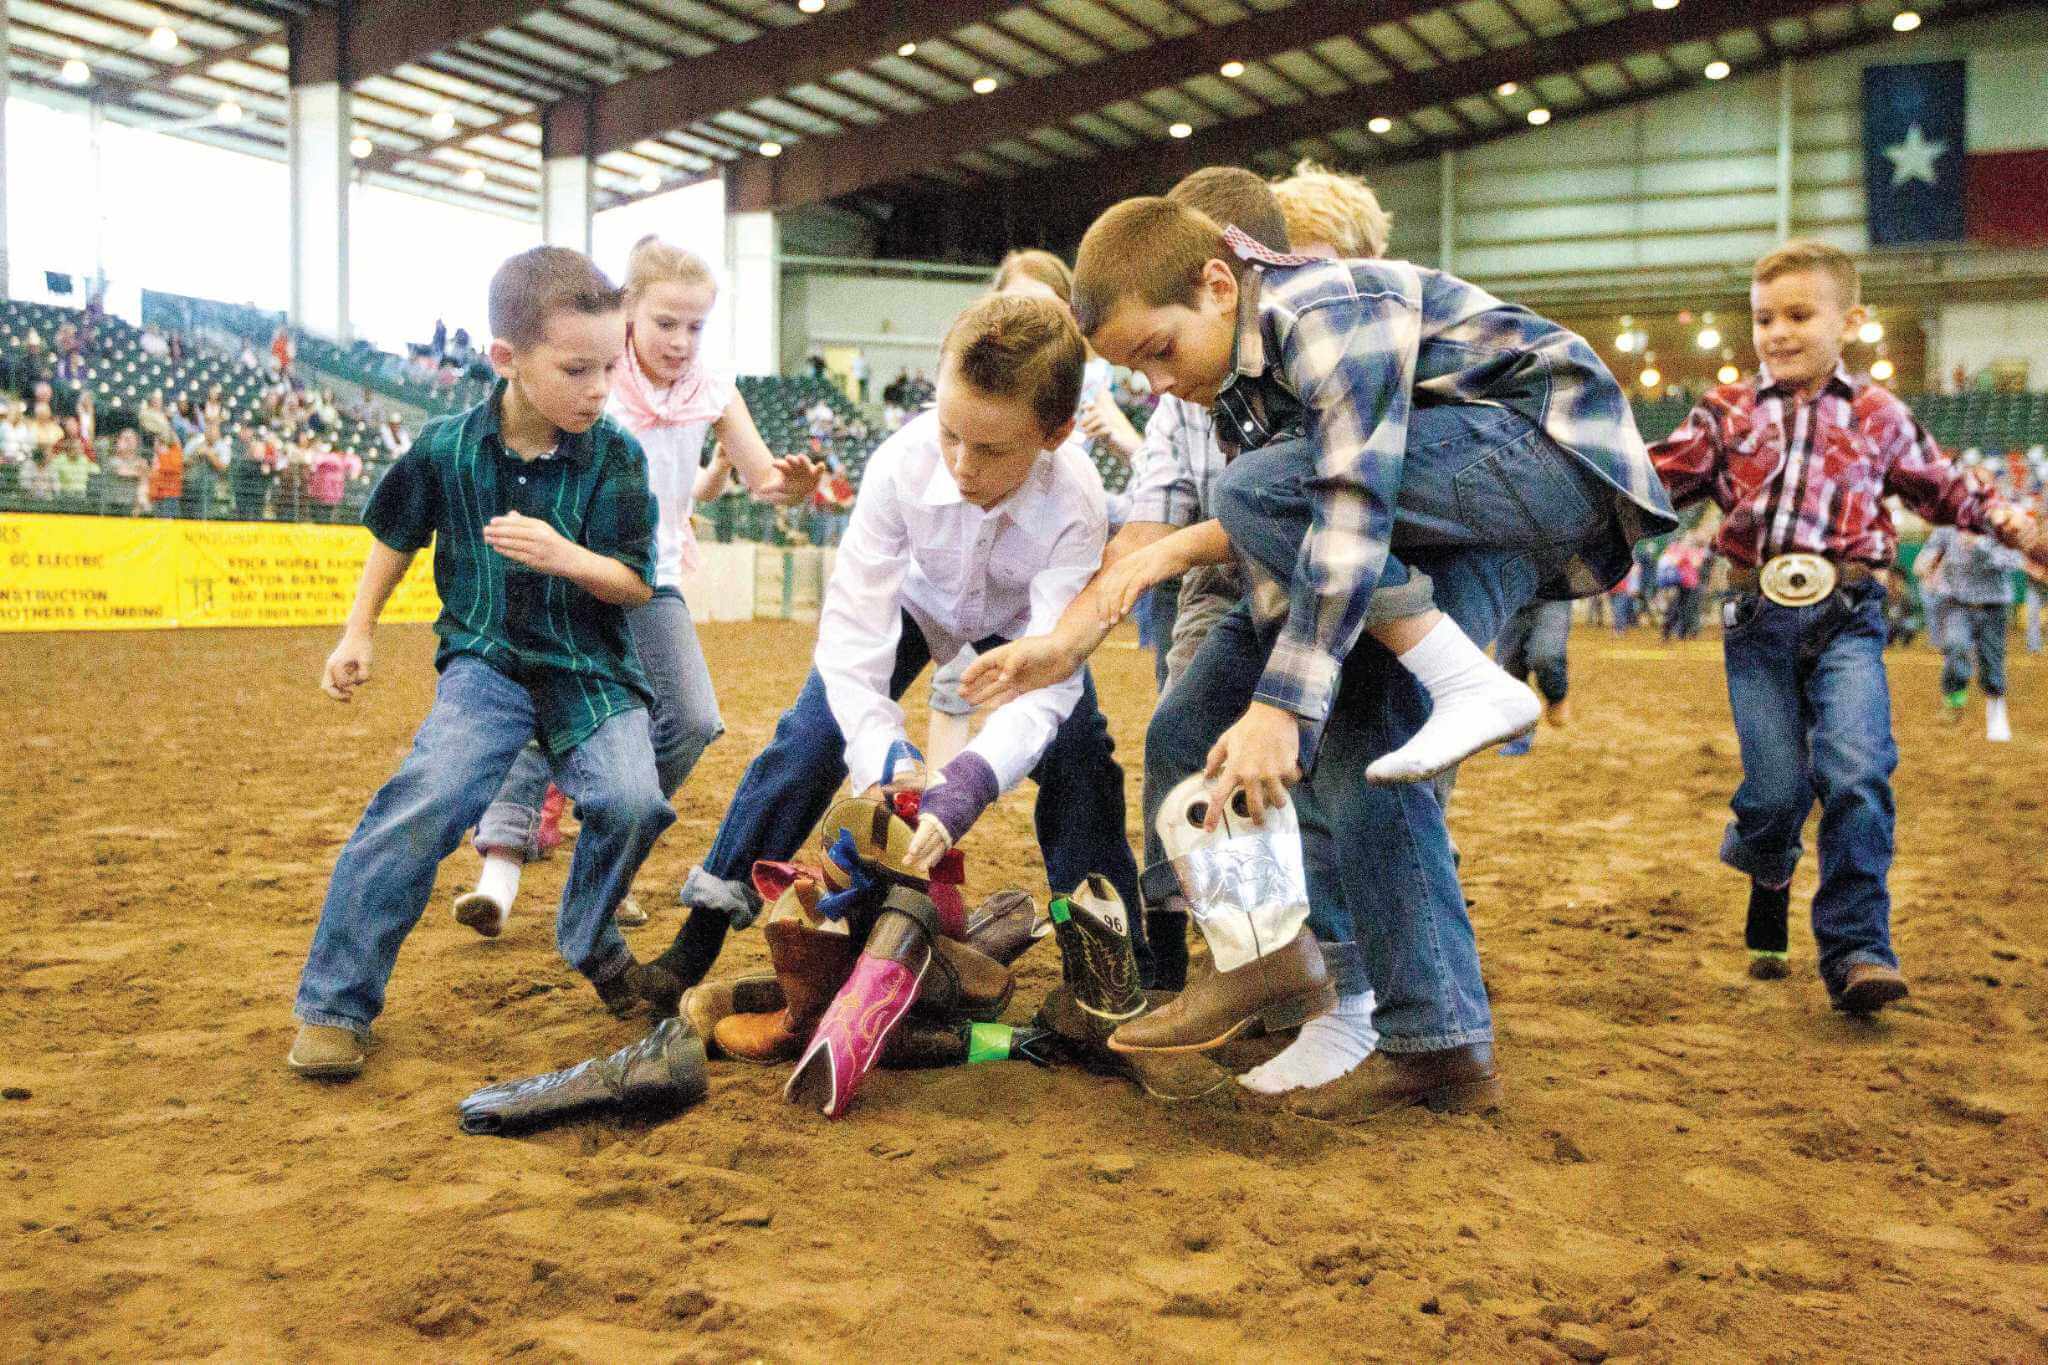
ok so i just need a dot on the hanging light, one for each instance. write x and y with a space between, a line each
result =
1905 21
1728 374
650 182
1539 117
163 38
1179 129
810 6
1882 369
1664 4
771 149
1870 333
227 111
75 72
473 178
1232 69
360 147
1506 88
443 121
1717 70
907 50
1651 377
984 84
1381 125
1710 335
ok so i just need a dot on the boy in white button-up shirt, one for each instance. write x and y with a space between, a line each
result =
973 526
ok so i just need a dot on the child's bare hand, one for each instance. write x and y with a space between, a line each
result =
1125 581
1260 756
348 667
1009 671
532 542
799 479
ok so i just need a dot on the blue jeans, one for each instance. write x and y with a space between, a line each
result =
1975 643
1156 612
1488 509
1813 713
1535 640
1079 816
682 720
2035 599
480 721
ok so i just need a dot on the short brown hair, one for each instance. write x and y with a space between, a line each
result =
1334 209
1010 347
533 286
1235 197
1034 264
1153 248
1806 254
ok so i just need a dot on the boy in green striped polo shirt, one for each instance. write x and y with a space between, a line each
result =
542 526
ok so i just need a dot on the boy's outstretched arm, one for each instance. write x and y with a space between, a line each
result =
348 667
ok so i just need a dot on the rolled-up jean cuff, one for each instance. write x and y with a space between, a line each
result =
1435 1042
737 900
1412 598
1157 884
1346 964
1770 871
509 826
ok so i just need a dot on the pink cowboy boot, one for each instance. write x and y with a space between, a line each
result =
856 1026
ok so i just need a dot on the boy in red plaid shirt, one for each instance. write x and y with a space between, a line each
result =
1800 459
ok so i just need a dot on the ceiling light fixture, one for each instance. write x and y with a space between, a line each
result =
1232 69
75 72
1539 117
1728 374
984 84
1905 21
1717 71
810 6
1381 125
1506 88
650 182
771 149
1709 337
360 147
1180 129
473 178
1650 378
227 111
1882 369
443 121
907 50
1870 333
1664 4
163 38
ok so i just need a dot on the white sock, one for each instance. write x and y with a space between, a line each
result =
1328 1046
1997 728
500 878
1473 704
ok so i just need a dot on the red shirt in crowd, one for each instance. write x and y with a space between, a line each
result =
331 472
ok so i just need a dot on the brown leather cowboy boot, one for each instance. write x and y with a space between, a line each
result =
810 965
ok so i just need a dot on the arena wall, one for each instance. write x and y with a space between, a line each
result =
114 573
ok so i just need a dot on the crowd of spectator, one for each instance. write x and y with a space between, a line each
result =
181 454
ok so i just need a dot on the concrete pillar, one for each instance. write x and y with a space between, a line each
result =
1784 150
751 254
565 184
316 152
1447 213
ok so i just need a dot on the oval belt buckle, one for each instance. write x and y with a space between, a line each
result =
1797 580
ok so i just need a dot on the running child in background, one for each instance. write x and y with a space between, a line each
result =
1800 459
671 403
1975 573
542 526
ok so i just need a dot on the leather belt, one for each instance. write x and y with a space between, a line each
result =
1799 580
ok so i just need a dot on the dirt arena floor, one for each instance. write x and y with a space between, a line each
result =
1692 1166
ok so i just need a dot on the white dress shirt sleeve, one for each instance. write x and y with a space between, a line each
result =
860 625
1015 737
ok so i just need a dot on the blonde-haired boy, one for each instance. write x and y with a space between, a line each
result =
1332 214
975 523
1800 458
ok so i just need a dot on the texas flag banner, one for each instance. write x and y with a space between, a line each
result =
1956 151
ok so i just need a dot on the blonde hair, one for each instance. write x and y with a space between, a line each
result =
1152 248
1034 264
1012 347
1334 209
1805 254
654 261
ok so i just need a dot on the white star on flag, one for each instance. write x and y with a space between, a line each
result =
1914 158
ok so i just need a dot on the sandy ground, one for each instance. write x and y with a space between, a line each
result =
1692 1166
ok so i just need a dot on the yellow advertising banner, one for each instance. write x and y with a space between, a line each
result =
114 573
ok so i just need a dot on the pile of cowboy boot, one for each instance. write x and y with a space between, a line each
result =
873 965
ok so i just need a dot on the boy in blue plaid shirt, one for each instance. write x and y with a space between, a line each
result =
543 528
1382 406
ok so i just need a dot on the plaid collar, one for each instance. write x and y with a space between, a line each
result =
486 422
1839 381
